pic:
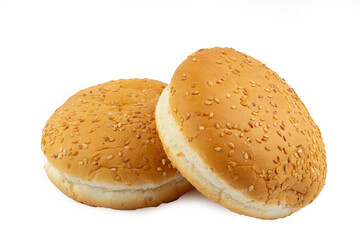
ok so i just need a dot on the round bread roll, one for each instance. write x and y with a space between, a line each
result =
103 148
241 135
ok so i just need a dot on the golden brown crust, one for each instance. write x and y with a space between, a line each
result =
250 128
106 134
193 168
119 199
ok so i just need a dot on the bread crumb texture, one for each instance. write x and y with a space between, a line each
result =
249 127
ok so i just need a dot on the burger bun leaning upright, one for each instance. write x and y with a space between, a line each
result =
241 135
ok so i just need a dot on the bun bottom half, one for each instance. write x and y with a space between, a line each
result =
193 168
122 199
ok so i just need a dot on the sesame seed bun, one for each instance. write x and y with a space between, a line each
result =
241 135
103 149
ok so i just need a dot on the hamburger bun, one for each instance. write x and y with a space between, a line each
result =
241 135
103 149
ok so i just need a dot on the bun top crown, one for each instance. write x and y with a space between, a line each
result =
106 134
249 126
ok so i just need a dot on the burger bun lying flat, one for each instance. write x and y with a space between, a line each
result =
103 149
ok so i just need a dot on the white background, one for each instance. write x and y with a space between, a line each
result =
51 49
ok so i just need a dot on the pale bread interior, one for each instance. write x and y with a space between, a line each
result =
119 197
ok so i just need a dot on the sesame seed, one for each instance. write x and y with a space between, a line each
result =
210 83
233 164
159 169
243 103
194 59
299 152
246 156
233 107
228 95
195 93
217 125
268 148
231 145
201 128
175 109
231 153
218 149
216 100
207 102
164 174
163 161
211 114
110 157
80 163
251 188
